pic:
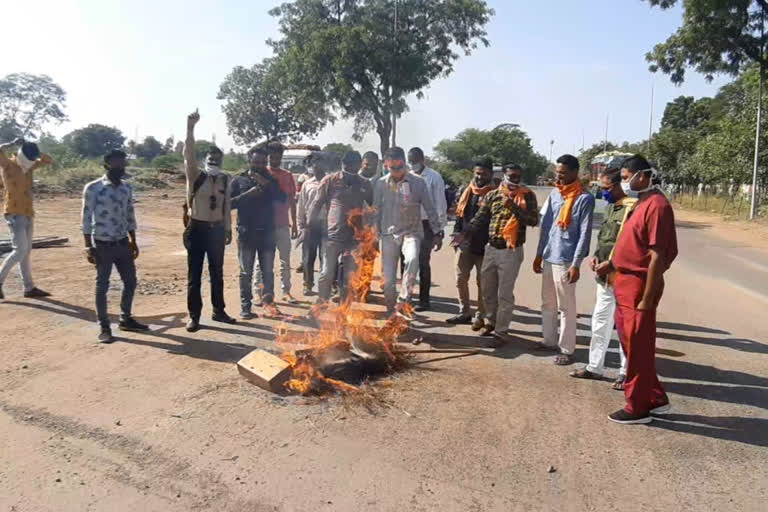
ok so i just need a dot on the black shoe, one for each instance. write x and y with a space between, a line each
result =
487 330
625 418
247 314
36 293
131 325
421 307
2 297
477 324
460 319
223 317
193 325
105 336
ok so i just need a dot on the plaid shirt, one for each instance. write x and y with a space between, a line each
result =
496 212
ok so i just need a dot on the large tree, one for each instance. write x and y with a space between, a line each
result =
264 102
364 57
29 102
149 149
94 140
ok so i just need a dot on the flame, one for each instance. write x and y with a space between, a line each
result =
343 325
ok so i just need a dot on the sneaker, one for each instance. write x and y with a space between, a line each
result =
193 325
131 325
421 307
459 319
625 418
487 330
223 317
288 299
477 324
247 314
662 409
105 336
36 293
308 290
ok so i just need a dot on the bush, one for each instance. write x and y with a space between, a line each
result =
168 162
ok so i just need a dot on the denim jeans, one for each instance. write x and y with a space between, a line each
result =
117 254
21 228
337 257
248 249
282 237
312 246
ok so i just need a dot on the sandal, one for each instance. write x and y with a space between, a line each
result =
583 373
618 384
563 360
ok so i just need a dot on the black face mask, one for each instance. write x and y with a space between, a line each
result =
115 174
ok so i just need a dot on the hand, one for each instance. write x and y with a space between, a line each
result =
603 269
644 306
437 242
46 159
134 249
537 265
18 141
228 238
253 191
193 118
294 232
457 239
573 275
90 255
593 263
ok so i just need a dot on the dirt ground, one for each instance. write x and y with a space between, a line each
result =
163 421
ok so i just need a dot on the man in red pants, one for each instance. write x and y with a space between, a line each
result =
645 249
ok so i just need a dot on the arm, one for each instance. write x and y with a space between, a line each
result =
426 203
4 160
438 199
316 208
228 211
654 281
190 156
302 209
546 225
292 199
377 203
482 218
87 224
234 193
530 216
585 230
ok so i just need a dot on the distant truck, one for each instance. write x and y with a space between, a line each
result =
297 156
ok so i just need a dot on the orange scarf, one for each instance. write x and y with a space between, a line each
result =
569 193
472 189
511 229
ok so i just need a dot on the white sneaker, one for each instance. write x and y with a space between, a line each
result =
662 409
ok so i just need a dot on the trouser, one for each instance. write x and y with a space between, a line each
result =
336 255
256 247
602 328
391 246
119 255
558 296
425 270
637 332
21 228
465 262
313 246
283 243
205 239
500 270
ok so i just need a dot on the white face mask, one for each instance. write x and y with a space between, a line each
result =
626 186
417 168
24 162
213 170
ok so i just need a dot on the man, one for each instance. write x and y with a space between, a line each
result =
304 174
470 249
312 229
370 168
209 229
398 201
109 229
340 193
505 215
645 250
286 228
619 206
436 189
254 194
566 230
17 175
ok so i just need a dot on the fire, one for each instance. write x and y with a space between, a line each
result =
343 327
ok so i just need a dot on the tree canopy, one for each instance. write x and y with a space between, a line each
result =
28 103
149 148
338 147
94 140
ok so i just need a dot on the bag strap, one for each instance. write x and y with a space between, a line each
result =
224 200
196 186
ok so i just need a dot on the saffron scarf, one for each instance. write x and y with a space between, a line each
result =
570 193
511 229
472 189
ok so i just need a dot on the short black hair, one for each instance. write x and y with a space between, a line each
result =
485 163
213 150
275 146
352 157
371 155
516 167
614 173
394 153
260 149
417 152
30 151
114 154
569 161
636 163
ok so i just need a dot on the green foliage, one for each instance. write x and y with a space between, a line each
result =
172 161
338 147
29 102
234 162
149 149
350 56
94 140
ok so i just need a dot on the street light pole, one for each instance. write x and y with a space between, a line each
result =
551 147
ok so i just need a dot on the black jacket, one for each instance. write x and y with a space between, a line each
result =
479 238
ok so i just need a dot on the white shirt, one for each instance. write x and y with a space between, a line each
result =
436 188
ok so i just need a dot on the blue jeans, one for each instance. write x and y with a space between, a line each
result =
337 257
21 228
248 249
119 255
312 246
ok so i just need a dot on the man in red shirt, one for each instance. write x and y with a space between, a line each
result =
645 249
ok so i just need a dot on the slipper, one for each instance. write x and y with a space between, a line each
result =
585 374
618 384
563 360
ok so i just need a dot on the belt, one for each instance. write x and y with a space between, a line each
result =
498 244
112 243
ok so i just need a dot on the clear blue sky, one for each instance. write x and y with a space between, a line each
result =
556 68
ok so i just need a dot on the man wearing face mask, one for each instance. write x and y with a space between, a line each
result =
370 168
17 175
254 195
645 249
436 188
566 231
312 229
109 229
209 229
470 248
340 193
398 201
505 215
619 206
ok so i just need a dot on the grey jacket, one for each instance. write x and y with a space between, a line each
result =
398 206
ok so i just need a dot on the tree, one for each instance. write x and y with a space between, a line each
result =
355 57
263 102
179 149
168 146
29 102
338 147
149 149
94 140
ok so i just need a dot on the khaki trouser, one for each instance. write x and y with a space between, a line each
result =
500 270
558 297
465 262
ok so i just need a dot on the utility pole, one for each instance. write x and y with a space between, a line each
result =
758 128
551 147
650 123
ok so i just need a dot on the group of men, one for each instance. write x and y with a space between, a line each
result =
406 207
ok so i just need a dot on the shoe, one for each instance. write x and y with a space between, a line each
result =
2 297
404 312
662 409
547 348
487 330
193 325
300 269
36 293
223 317
477 324
459 319
308 291
421 307
288 299
105 336
247 314
625 418
131 325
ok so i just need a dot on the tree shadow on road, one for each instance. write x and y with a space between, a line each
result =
752 431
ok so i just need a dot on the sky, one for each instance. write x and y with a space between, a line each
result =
556 68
